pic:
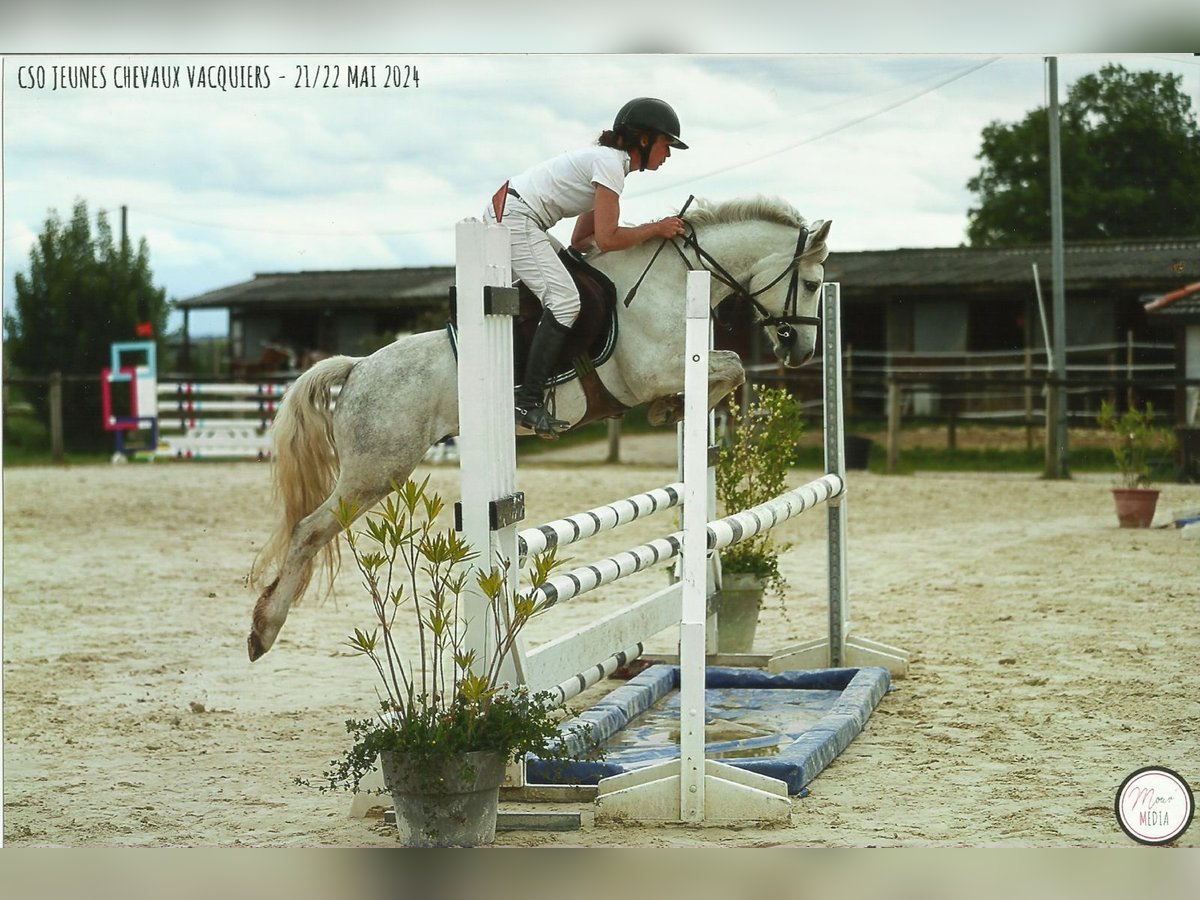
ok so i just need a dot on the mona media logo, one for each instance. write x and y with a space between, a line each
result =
1155 805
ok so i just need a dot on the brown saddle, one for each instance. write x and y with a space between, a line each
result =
589 344
592 337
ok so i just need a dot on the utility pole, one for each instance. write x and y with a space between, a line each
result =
1056 397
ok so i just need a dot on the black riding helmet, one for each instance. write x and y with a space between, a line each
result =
649 114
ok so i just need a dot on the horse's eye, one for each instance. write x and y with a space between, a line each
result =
811 286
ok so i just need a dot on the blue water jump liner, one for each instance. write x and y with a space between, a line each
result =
796 764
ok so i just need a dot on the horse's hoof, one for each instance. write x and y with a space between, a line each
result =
662 418
665 411
254 647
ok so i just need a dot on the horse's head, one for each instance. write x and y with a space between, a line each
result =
790 285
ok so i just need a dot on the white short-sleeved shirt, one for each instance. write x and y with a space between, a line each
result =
564 186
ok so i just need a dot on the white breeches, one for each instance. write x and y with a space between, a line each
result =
535 261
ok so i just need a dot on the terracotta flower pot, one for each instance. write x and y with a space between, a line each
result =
1135 506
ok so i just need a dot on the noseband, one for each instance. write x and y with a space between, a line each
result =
782 323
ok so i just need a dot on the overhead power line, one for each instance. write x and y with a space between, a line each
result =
850 123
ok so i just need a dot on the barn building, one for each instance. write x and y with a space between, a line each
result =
906 307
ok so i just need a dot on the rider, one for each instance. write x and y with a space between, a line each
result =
586 183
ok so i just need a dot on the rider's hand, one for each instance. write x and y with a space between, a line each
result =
670 227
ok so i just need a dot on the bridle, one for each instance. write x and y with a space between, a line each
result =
790 316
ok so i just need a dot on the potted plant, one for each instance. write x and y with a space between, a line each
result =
448 724
752 468
1134 439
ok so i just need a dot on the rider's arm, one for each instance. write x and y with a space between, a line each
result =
582 238
611 236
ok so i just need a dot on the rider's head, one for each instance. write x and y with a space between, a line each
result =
639 124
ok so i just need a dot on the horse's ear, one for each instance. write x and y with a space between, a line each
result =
816 241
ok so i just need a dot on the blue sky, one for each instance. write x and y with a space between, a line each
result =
224 184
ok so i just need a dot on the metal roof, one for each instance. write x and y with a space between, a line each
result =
345 288
1144 266
1137 265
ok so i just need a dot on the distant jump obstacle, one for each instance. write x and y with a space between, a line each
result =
185 420
217 420
691 789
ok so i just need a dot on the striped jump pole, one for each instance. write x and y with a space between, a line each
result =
581 681
570 529
718 534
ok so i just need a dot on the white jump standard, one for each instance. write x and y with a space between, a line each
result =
691 789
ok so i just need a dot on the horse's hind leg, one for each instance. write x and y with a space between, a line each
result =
310 534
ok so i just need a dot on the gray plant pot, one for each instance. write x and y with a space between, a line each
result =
737 614
460 811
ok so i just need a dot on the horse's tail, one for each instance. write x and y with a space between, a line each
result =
304 465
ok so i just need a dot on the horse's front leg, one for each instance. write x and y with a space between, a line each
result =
725 374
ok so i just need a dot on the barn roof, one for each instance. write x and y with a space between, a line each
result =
1131 264
1149 266
344 288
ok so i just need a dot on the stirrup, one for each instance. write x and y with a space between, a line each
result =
538 419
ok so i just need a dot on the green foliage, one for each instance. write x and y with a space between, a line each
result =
1134 439
444 700
752 469
1130 149
82 293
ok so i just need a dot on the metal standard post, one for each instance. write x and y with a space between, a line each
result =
835 464
1057 407
840 647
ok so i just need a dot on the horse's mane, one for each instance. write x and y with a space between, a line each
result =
746 209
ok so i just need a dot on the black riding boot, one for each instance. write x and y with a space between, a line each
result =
539 369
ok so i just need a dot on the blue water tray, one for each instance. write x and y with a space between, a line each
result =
788 725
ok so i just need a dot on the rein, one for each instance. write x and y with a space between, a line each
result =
782 322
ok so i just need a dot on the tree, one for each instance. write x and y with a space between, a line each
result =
82 293
1130 165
